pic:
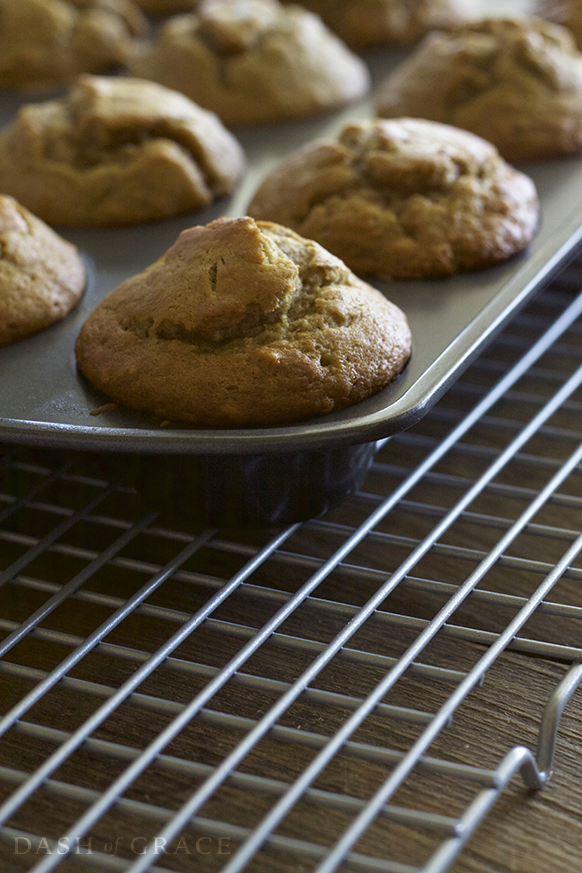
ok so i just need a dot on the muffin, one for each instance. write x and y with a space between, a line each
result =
365 23
403 199
516 82
117 151
565 12
243 324
42 276
254 62
44 43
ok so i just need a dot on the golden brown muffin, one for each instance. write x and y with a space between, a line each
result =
243 324
365 23
254 62
42 276
517 82
403 198
117 151
565 12
48 42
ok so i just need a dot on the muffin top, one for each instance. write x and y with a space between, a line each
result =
365 23
243 324
44 43
42 276
514 81
254 61
403 198
116 150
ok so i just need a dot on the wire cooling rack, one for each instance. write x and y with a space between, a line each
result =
316 698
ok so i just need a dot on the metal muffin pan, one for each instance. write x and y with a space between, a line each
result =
44 401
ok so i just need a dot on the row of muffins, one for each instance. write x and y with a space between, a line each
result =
43 42
395 198
89 35
430 198
516 82
241 323
258 61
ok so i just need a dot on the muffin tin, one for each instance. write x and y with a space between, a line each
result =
44 401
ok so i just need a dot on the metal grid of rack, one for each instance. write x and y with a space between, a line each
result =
300 699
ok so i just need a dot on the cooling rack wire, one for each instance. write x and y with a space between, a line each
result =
354 693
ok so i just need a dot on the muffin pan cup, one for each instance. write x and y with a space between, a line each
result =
250 490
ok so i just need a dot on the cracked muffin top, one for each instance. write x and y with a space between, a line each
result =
365 23
254 61
515 81
243 324
44 43
42 276
403 198
117 151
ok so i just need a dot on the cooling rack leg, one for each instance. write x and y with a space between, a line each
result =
551 719
535 772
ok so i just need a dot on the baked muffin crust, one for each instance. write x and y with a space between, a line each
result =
254 62
42 276
403 198
243 324
44 43
117 151
365 23
515 81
